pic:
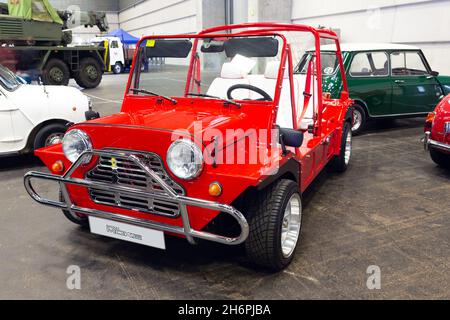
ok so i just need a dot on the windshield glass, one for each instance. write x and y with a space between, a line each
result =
167 67
329 63
8 79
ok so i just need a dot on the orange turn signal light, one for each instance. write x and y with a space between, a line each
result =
58 167
430 117
215 189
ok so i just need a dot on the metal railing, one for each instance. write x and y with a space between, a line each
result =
170 194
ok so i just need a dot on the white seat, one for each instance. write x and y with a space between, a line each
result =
229 76
232 75
268 84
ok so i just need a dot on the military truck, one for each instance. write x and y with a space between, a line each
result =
39 38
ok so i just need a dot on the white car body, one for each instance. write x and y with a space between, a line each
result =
30 107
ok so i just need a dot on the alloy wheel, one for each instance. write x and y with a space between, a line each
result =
290 230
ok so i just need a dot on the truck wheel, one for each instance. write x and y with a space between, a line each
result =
90 74
340 163
56 73
49 135
274 218
118 68
359 119
79 220
441 159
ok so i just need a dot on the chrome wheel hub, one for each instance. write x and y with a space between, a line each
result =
54 138
357 120
348 148
290 229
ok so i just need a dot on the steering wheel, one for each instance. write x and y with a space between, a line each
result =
265 95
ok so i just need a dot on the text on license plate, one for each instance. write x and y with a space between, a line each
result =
127 232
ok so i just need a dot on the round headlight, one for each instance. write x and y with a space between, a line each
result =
75 142
185 159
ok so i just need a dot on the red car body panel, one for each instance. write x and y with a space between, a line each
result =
148 123
442 116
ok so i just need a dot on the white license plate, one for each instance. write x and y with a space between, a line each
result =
127 232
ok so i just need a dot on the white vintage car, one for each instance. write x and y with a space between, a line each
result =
34 116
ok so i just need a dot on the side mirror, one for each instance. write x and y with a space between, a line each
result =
291 138
434 73
91 115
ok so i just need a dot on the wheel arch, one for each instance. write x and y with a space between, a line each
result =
362 104
290 170
52 55
37 128
348 116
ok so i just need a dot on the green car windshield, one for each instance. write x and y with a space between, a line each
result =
329 61
8 79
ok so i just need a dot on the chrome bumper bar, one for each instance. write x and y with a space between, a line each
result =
427 142
169 194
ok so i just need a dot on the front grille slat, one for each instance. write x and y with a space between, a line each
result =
122 172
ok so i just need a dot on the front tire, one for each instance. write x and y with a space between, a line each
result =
118 68
90 74
82 221
49 135
340 163
56 73
441 159
274 217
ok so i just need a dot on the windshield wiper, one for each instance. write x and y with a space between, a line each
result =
154 94
214 97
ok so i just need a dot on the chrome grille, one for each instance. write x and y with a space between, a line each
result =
119 170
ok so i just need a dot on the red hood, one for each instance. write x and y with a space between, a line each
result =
192 118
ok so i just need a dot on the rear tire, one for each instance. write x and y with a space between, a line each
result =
267 220
90 73
359 119
56 73
441 159
49 135
340 163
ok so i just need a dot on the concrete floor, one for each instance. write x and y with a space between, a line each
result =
390 209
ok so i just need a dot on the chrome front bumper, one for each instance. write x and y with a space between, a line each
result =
169 194
427 142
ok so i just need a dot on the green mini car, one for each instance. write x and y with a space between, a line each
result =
385 80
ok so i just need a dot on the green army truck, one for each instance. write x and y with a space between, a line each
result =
39 38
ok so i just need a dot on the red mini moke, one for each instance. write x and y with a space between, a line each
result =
437 133
218 143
